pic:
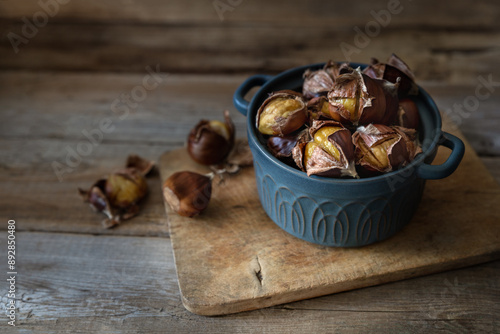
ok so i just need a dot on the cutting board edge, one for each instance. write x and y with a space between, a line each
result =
301 294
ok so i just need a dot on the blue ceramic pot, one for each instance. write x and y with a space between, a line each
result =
342 212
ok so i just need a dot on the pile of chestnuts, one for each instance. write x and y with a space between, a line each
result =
346 122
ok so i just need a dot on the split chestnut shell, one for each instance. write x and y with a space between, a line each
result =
327 150
380 148
392 70
356 99
210 142
282 113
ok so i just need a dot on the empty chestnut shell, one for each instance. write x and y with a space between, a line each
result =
281 147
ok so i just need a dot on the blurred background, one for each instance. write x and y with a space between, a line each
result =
448 44
447 41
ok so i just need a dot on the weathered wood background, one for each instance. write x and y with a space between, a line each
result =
76 277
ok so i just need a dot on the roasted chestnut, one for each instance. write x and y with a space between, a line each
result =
408 115
380 148
318 108
118 195
357 99
392 70
188 193
326 151
210 142
281 113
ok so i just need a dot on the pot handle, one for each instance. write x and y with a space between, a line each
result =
434 172
239 96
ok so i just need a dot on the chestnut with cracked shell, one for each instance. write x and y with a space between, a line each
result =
357 99
393 69
118 195
210 142
380 148
408 115
326 151
281 113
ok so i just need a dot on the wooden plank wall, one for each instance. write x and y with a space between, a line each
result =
445 43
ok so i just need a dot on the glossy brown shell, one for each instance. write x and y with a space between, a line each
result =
295 119
206 146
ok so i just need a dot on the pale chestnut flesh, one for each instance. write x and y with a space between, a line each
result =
325 150
124 190
349 104
279 108
320 139
221 128
378 155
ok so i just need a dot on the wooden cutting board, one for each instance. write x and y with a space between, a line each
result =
233 258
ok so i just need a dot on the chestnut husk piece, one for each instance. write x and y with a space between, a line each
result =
273 123
206 145
321 162
375 100
391 70
317 83
381 149
408 115
320 82
143 166
117 196
241 154
188 193
298 150
335 69
240 157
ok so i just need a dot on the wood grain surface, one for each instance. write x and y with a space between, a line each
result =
75 277
115 284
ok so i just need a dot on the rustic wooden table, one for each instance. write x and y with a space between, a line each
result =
135 77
